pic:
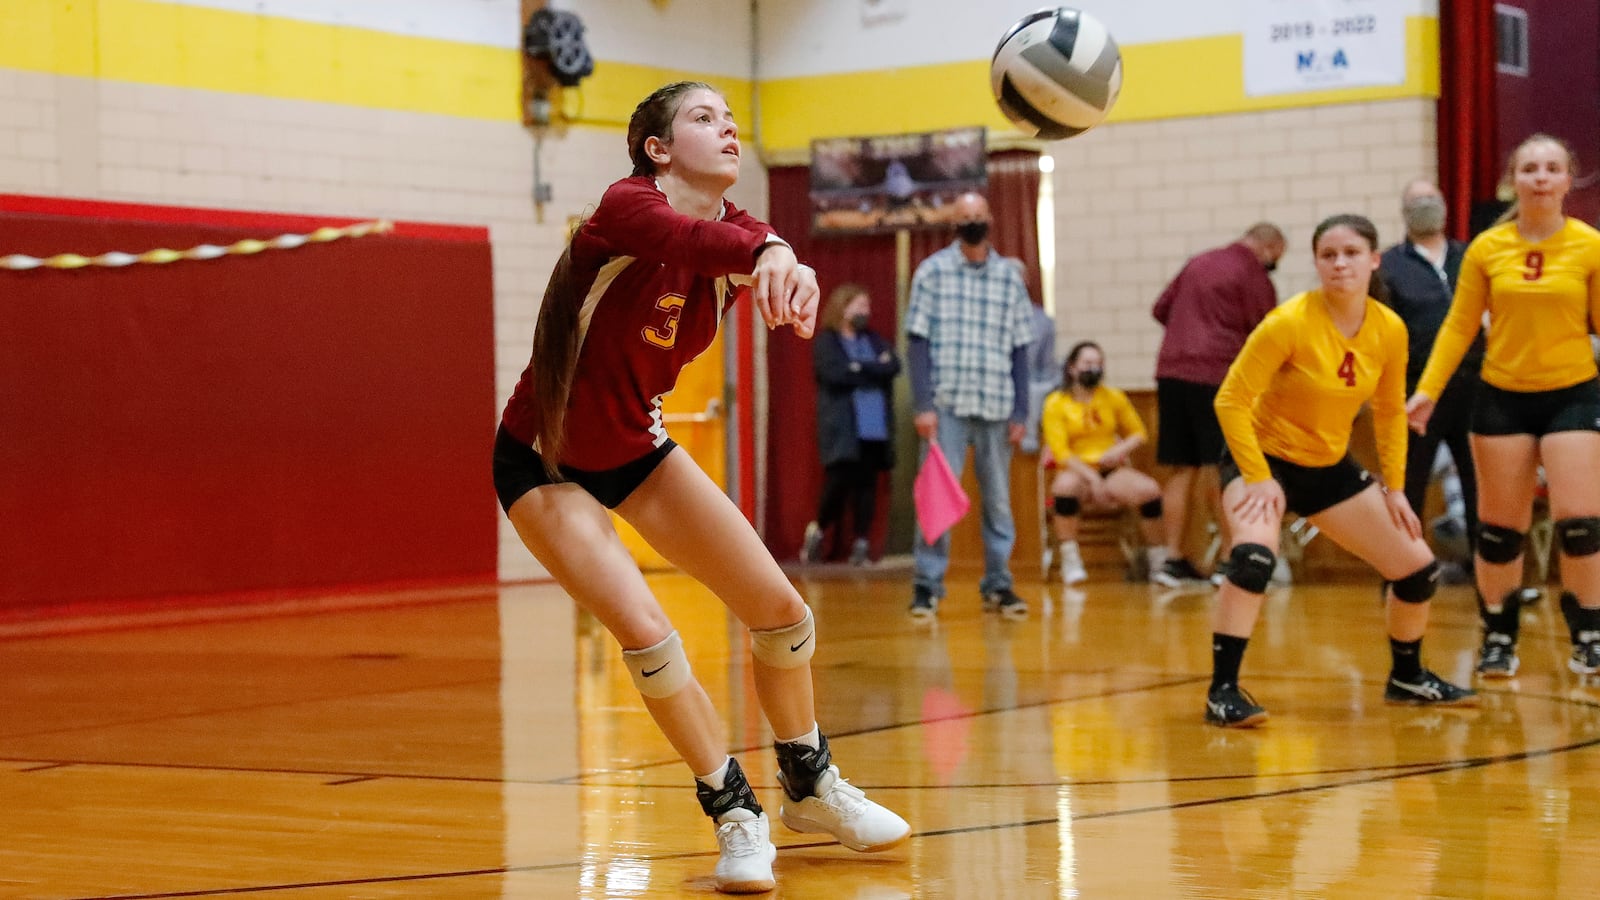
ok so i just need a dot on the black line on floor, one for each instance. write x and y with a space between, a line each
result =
581 779
269 770
251 707
1463 765
893 726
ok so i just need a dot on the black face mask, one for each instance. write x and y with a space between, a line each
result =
859 323
972 233
1090 378
1270 266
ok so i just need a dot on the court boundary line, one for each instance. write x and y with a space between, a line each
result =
353 777
1464 765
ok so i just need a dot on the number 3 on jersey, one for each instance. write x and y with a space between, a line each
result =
667 334
1347 369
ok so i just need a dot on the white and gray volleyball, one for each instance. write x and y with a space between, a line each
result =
1056 73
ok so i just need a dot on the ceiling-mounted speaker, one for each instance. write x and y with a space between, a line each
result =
556 36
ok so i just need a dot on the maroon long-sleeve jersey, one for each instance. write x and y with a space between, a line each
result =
655 286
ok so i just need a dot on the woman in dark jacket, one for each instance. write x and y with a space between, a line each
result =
854 367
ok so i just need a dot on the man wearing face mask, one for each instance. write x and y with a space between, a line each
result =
969 326
1208 310
1420 273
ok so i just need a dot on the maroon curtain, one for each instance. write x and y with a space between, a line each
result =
794 470
1014 203
1468 150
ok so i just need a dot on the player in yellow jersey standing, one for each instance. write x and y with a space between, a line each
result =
1092 430
1537 276
1286 408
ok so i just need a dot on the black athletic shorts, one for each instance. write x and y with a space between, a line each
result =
519 469
1576 408
1187 432
1307 490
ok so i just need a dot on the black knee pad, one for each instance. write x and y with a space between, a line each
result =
1580 535
1151 510
1419 586
1250 567
1068 506
1499 544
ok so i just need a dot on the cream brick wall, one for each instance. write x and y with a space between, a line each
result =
1134 201
74 137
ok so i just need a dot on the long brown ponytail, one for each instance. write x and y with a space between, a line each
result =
555 355
555 336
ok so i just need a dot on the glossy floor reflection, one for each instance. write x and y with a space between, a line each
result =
490 744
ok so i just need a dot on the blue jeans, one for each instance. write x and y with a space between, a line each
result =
992 459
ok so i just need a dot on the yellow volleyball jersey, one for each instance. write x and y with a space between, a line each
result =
1297 385
1088 430
1541 297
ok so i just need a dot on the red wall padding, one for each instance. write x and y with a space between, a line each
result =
293 420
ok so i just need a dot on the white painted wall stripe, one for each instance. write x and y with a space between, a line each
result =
496 23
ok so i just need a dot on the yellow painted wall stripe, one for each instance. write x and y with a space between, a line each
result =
49 36
608 97
220 50
1166 80
149 42
183 46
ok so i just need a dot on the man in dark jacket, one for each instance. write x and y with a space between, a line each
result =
1420 273
1207 310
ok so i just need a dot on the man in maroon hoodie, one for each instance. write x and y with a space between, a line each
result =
1208 310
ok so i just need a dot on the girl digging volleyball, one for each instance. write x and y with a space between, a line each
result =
1286 408
638 293
1092 430
1538 277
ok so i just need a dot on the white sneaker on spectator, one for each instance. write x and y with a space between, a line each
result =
1072 571
811 543
1281 574
1155 562
840 808
744 865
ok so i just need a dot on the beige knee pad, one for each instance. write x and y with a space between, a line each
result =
786 648
660 671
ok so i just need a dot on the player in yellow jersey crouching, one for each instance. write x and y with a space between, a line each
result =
1286 408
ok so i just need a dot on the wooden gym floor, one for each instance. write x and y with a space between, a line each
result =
488 743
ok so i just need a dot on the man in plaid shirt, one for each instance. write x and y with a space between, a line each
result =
970 325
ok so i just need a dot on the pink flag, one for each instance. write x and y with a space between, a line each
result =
938 496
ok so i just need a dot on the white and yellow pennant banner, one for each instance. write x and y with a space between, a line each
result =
18 262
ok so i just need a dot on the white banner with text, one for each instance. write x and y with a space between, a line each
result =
1292 46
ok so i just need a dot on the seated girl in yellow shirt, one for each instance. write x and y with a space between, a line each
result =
1091 431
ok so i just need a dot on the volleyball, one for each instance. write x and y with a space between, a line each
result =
1056 73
